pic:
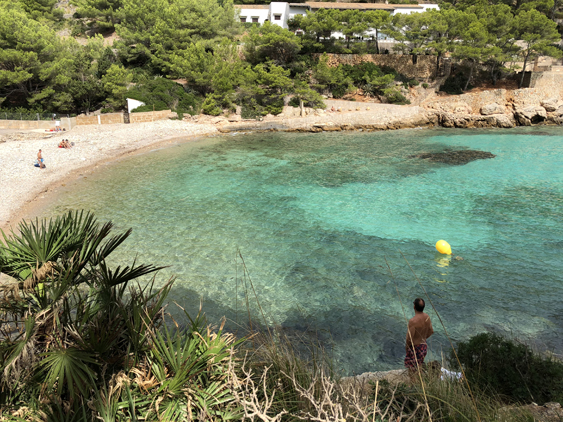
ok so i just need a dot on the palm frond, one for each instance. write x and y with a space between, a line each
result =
123 275
20 351
68 367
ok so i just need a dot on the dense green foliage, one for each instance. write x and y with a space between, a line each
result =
57 354
511 369
102 15
201 42
164 94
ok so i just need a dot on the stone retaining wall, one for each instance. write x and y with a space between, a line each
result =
425 67
348 105
114 118
66 123
149 116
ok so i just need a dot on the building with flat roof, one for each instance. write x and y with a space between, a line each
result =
280 13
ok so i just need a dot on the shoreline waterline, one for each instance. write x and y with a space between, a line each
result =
33 198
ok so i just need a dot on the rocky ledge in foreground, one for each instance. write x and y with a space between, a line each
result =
459 157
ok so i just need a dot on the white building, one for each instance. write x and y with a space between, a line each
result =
280 12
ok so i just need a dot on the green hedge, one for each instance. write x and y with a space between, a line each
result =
511 369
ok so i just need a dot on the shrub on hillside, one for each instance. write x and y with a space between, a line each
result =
330 78
163 94
361 73
510 369
454 84
211 107
394 96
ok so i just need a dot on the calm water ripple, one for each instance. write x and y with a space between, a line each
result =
317 217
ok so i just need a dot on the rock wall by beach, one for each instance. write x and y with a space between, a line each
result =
542 104
66 122
116 118
421 67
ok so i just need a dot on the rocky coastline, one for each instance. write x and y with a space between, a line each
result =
498 108
96 144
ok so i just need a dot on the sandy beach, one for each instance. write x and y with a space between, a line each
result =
22 183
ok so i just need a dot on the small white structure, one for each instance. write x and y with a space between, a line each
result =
254 13
279 13
133 104
298 9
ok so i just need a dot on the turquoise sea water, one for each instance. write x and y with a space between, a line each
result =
328 225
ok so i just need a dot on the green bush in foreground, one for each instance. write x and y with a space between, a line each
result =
82 341
510 369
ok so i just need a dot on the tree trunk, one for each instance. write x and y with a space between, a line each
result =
301 106
470 75
493 74
523 71
438 57
377 41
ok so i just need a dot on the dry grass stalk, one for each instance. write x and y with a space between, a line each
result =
252 397
334 401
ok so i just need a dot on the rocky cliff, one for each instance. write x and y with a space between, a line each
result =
503 108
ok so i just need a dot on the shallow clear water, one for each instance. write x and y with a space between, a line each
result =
328 224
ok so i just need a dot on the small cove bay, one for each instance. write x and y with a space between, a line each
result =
329 226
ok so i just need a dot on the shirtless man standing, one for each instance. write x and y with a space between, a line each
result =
419 329
40 160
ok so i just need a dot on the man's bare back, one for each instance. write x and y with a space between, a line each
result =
420 328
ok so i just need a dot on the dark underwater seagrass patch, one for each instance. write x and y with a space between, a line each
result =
458 157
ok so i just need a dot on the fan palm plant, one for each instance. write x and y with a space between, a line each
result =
63 297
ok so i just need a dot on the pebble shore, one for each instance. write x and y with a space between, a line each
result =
21 182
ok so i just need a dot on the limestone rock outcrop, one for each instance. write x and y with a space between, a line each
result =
530 115
550 104
458 107
493 108
451 120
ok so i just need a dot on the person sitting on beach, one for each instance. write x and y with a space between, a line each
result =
40 160
419 330
65 144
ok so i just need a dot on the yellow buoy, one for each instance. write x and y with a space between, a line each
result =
443 247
